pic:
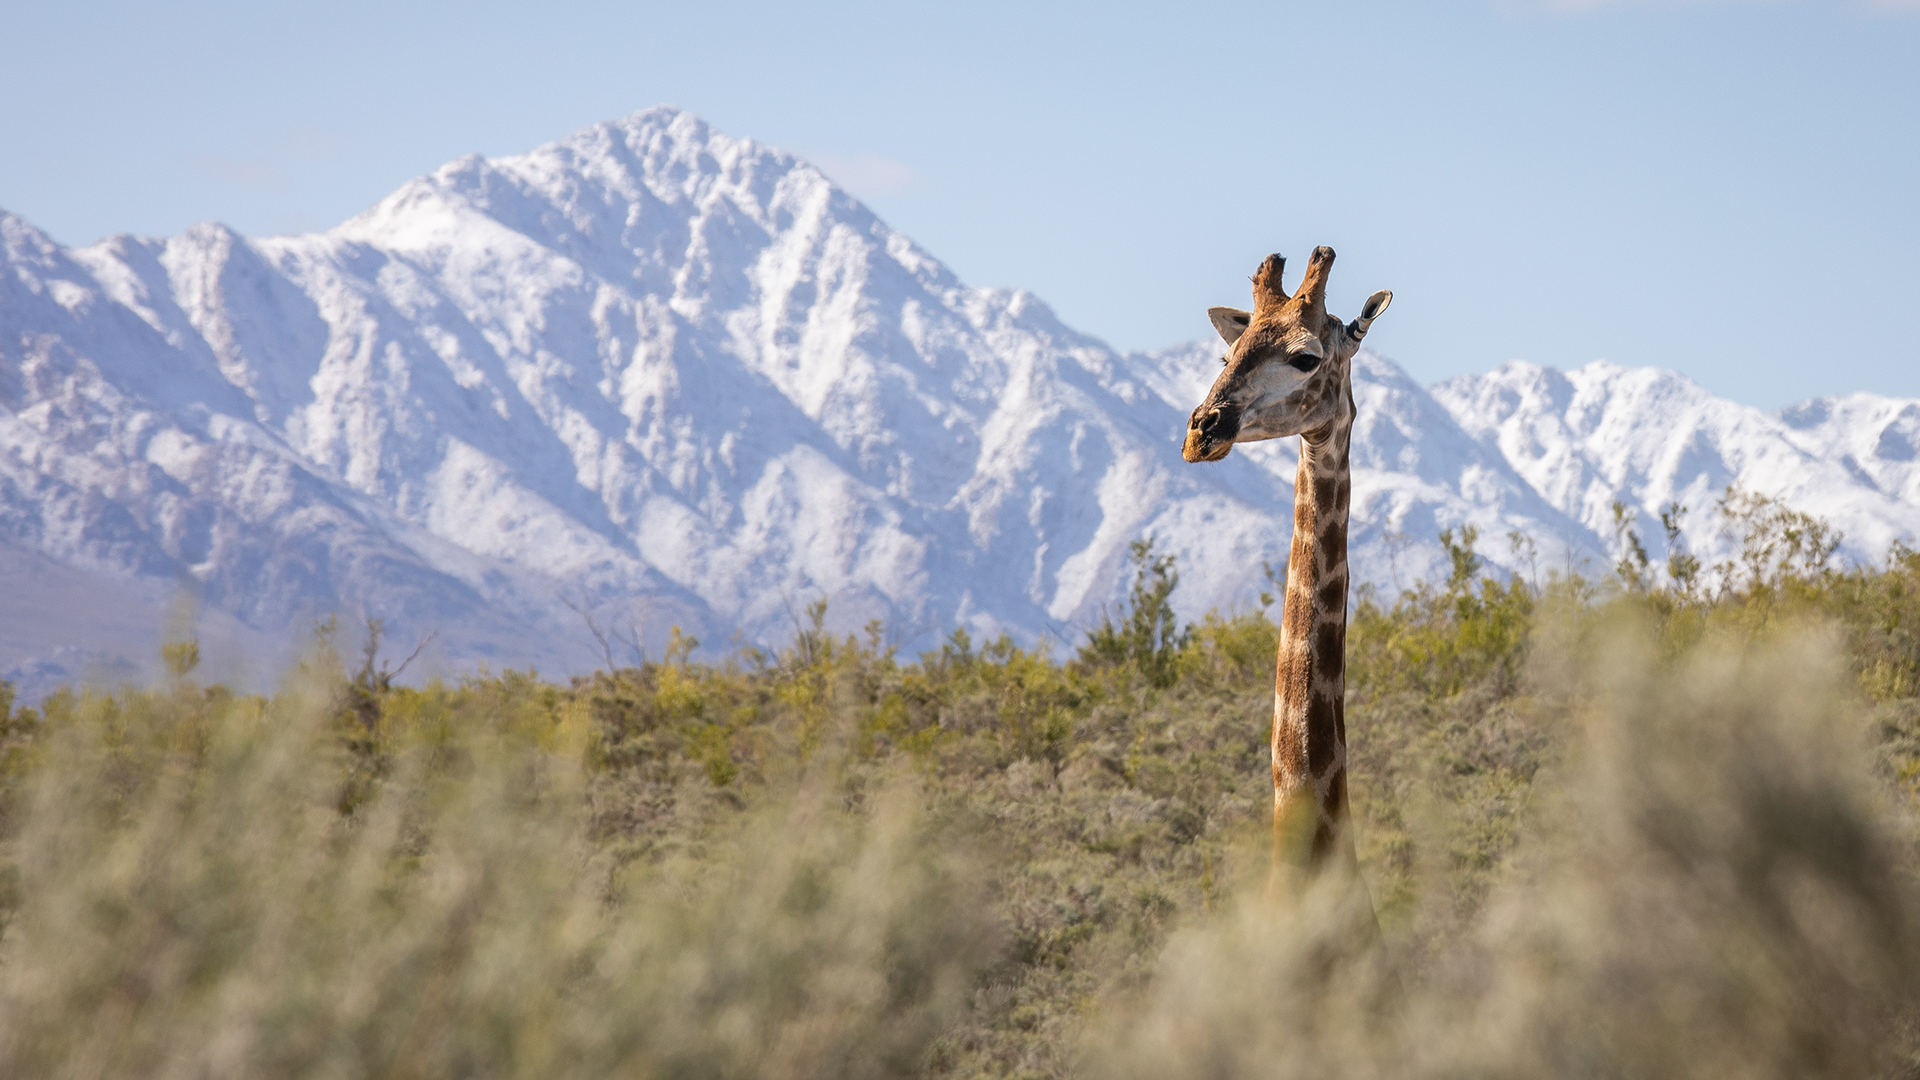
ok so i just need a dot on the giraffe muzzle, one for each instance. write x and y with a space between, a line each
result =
1210 433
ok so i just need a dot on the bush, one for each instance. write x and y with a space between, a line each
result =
191 899
1713 890
1639 826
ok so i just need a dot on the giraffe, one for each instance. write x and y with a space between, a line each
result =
1289 372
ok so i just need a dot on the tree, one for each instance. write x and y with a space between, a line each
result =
1632 567
1683 567
1148 635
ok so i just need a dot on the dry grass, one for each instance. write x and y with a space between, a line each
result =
1716 884
191 902
1651 836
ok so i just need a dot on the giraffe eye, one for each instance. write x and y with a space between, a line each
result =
1303 362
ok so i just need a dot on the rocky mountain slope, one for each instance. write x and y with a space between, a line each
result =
1651 437
666 376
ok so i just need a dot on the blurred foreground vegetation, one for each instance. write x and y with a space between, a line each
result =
1660 823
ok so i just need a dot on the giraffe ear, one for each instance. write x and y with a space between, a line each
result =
1369 311
1231 322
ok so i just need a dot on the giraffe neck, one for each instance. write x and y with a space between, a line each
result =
1309 709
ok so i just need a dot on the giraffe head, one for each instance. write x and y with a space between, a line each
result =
1287 362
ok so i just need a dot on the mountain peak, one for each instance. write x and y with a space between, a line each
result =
676 378
21 239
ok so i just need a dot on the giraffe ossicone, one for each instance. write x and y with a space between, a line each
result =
1289 371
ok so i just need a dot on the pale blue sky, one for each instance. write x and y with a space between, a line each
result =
1724 188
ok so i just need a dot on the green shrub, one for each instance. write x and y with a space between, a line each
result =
1657 824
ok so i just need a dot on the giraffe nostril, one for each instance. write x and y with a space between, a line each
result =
1217 423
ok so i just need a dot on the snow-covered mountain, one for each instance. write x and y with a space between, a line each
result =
674 377
1649 437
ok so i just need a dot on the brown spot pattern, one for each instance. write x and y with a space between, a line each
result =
1309 719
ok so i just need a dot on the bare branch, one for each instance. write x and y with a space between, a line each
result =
417 649
636 641
370 652
599 635
802 643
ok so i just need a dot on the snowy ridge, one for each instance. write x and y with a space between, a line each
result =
676 377
1650 437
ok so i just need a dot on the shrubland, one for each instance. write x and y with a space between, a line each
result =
1657 822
